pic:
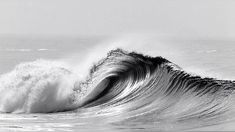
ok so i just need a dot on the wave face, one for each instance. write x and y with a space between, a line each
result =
124 88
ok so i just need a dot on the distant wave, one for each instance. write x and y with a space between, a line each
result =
125 86
25 50
19 50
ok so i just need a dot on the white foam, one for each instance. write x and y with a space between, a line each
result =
39 86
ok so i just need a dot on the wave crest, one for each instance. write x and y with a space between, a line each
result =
139 88
126 86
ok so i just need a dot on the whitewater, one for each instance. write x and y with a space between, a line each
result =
116 89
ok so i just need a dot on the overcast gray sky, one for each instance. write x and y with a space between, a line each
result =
179 18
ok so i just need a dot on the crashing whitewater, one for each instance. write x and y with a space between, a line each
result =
127 86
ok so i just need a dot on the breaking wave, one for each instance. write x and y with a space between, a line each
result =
124 86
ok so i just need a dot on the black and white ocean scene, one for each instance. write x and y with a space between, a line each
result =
117 66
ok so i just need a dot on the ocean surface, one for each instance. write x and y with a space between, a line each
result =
116 84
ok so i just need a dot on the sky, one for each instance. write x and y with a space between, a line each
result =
197 19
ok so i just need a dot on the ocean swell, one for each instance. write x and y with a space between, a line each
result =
124 86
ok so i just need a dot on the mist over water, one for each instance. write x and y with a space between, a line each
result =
93 88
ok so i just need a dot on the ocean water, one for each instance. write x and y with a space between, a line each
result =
62 84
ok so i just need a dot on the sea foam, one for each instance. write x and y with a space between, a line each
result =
39 86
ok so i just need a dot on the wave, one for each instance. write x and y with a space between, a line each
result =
128 87
26 50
